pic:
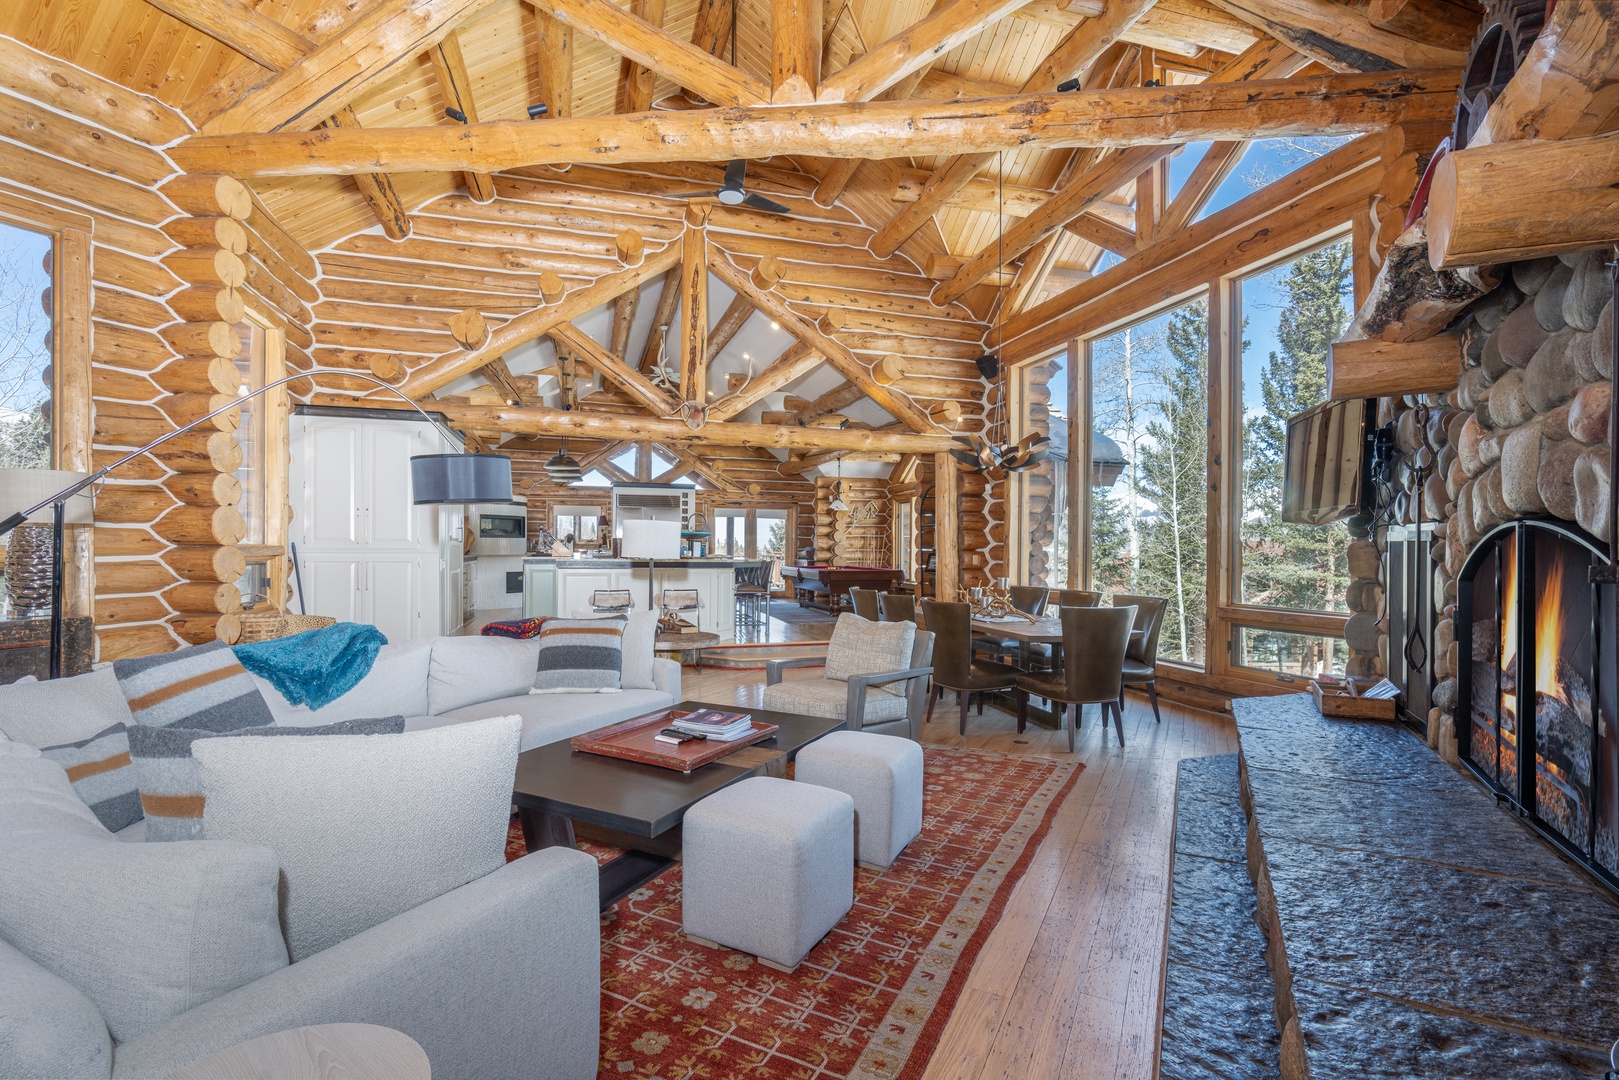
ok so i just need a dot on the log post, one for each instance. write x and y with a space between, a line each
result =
946 527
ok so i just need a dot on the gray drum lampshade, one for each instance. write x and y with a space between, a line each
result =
460 478
22 488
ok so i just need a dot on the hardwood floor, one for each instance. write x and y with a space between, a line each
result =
1068 984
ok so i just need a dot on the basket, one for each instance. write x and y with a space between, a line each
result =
268 625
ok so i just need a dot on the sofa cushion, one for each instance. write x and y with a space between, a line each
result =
364 827
145 931
862 647
549 718
170 790
102 774
580 656
203 687
60 711
467 670
825 697
640 648
395 685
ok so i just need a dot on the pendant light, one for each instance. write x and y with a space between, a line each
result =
563 468
837 504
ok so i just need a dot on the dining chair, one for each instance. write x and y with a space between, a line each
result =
1078 598
954 667
1141 659
865 603
896 607
1094 641
1030 599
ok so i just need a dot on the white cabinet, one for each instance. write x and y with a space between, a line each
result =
367 552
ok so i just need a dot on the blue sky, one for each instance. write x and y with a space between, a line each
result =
23 325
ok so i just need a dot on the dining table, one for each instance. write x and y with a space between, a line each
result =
1043 631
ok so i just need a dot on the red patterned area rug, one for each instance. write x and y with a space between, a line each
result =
872 998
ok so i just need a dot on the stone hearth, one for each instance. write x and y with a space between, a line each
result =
1413 929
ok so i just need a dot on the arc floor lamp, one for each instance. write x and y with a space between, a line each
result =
456 477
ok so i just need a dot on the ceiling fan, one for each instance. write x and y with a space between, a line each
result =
731 194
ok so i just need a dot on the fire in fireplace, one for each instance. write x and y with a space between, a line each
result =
1539 681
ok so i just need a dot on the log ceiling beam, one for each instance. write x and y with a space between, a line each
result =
711 30
376 188
1131 117
1339 35
536 420
662 316
950 24
835 399
499 376
1104 234
796 360
1090 47
635 384
337 71
694 309
1267 58
535 323
1009 200
1207 175
736 315
653 47
450 68
840 171
553 44
239 27
1031 276
636 82
687 462
898 405
795 68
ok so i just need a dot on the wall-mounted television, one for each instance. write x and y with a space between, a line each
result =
1324 466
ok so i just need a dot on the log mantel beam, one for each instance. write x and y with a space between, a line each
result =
1127 117
1339 35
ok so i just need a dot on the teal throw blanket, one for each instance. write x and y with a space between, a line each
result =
316 667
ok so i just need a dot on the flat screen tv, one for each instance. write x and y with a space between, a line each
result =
1324 463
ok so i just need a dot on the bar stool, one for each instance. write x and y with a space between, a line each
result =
679 601
611 601
752 596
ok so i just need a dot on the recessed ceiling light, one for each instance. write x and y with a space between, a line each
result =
775 326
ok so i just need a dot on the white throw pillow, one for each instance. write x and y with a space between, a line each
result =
365 826
58 711
396 685
862 647
640 648
470 670
145 931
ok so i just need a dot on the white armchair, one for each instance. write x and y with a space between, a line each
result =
876 678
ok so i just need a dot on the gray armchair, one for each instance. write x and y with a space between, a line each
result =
868 703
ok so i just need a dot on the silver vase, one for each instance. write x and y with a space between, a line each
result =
29 556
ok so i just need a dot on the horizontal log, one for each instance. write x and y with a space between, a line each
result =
208 196
119 576
203 562
112 542
123 642
1409 300
203 597
265 233
109 382
185 408
201 629
211 525
1511 201
203 339
1303 106
207 266
207 303
113 267
127 347
205 489
126 504
1371 367
198 375
283 299
208 232
130 309
202 451
113 610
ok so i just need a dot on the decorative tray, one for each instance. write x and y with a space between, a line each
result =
633 740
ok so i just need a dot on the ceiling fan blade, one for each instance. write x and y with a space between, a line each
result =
759 202
694 195
736 171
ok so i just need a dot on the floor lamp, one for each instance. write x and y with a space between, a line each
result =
434 478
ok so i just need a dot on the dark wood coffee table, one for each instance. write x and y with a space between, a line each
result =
642 804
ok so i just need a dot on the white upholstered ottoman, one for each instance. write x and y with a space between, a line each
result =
883 774
768 867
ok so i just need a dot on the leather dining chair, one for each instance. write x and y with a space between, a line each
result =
954 667
1094 641
896 607
1078 598
865 603
1030 599
1141 659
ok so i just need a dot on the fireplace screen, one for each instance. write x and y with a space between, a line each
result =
1538 693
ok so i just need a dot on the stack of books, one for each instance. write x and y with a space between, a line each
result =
716 725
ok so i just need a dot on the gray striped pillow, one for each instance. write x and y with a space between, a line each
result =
580 656
102 775
204 687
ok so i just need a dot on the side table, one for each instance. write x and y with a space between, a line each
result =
681 644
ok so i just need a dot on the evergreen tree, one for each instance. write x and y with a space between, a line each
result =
1110 543
1293 566
1173 455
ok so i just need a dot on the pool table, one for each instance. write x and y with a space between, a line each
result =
818 586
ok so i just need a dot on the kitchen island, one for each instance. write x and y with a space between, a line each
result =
557 586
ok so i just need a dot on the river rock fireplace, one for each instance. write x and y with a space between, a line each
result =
1541 680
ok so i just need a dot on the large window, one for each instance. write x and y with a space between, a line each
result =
1044 497
904 560
755 532
25 349
1288 314
1149 527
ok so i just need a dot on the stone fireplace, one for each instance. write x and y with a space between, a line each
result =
1538 690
